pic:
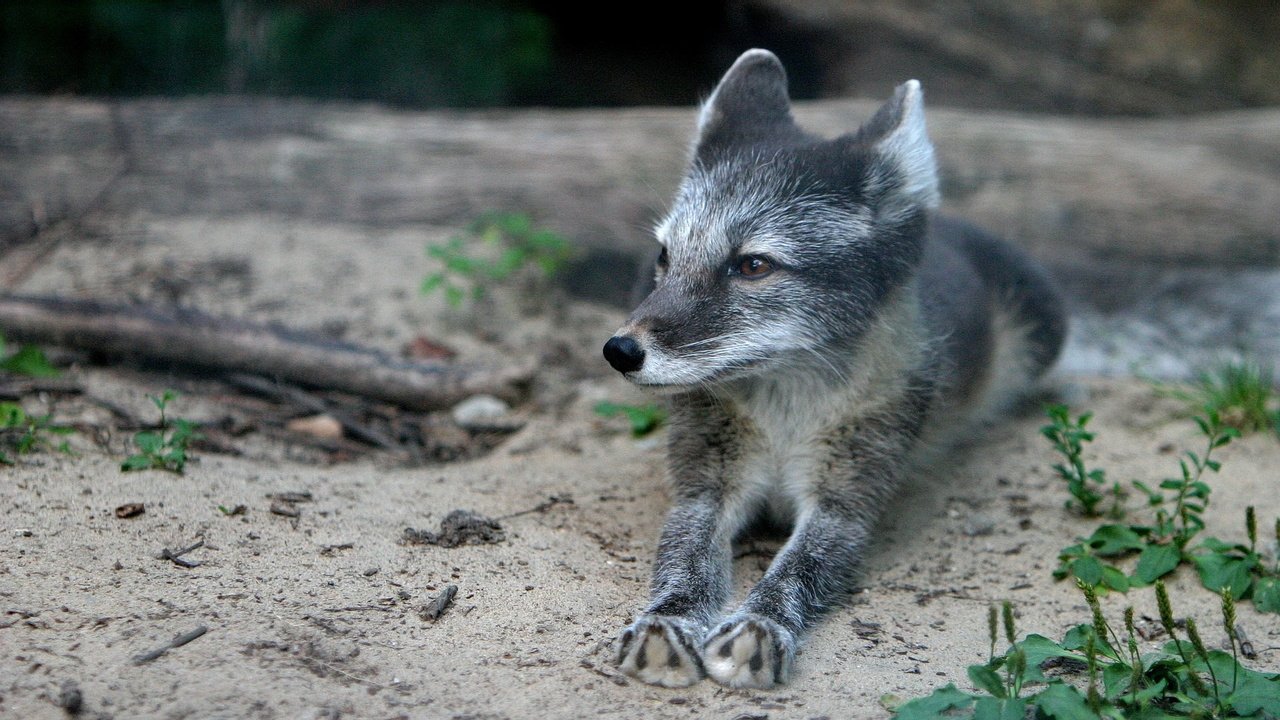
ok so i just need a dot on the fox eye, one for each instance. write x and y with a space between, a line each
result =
753 267
662 259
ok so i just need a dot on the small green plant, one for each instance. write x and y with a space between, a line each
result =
1068 437
22 433
166 447
494 249
26 360
644 419
1184 678
1165 542
1242 392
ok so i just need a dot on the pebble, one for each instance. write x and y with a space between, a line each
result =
479 411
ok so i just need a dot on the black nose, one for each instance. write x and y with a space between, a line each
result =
623 353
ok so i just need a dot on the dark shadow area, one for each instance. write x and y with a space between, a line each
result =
409 53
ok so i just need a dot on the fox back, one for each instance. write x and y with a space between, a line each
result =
817 326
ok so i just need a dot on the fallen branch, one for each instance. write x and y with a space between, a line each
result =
294 396
177 642
175 556
19 388
193 338
543 506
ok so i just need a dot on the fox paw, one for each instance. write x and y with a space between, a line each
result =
749 651
662 650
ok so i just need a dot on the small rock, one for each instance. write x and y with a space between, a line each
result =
978 525
479 411
129 510
424 348
321 426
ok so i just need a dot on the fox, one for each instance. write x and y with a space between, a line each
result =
819 330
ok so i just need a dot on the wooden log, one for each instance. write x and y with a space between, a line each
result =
1197 190
192 338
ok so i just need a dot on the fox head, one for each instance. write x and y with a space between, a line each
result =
780 247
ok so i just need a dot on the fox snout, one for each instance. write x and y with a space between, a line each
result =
624 353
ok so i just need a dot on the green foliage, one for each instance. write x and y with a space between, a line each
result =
27 360
1068 437
1243 393
165 448
1165 541
494 249
1101 671
1181 679
21 433
644 419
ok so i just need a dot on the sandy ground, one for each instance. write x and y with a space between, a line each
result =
319 615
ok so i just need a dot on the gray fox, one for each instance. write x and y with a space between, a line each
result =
817 329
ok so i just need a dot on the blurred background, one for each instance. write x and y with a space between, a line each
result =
1156 57
148 146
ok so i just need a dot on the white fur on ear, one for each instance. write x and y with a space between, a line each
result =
906 144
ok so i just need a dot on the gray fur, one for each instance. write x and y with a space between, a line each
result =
806 393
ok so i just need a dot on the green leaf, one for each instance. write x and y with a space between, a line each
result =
1063 702
461 265
990 708
29 360
1077 639
932 706
517 224
1037 649
510 261
1266 594
432 282
1218 546
1115 579
1255 692
644 419
1115 540
136 462
149 442
1219 571
1088 569
1154 497
1156 561
1116 677
986 679
12 415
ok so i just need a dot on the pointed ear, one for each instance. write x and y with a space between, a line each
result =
749 103
897 133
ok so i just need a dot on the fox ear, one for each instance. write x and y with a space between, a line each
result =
897 133
749 103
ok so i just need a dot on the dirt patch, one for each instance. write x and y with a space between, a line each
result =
460 527
292 544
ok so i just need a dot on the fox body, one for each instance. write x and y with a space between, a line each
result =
817 328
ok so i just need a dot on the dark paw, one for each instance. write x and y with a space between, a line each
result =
662 650
749 651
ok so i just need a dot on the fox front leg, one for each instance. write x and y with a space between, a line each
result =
756 645
690 583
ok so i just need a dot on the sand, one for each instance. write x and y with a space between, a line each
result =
320 615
